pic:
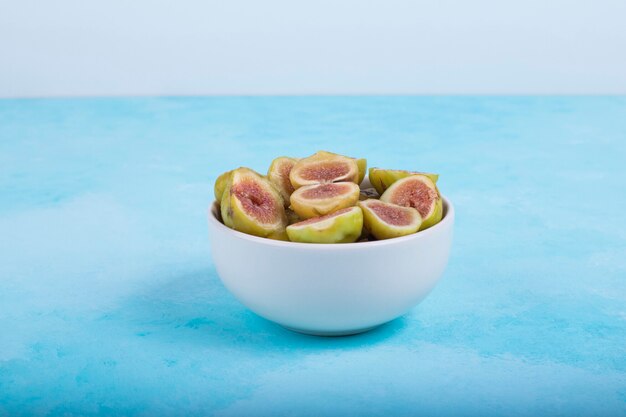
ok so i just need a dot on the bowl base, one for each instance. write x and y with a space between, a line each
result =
332 333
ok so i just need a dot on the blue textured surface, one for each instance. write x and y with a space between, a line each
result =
109 302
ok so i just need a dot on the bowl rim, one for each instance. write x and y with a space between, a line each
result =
448 219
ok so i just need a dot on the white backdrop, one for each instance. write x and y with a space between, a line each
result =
152 47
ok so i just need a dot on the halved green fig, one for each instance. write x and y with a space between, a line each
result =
278 174
220 185
251 204
386 221
320 199
382 179
421 193
367 193
361 164
323 167
341 226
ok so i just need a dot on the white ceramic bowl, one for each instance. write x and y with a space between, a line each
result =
331 289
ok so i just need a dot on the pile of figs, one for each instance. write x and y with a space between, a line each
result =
318 200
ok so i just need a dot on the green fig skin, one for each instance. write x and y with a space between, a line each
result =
220 185
225 210
361 163
382 179
236 217
343 226
434 218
